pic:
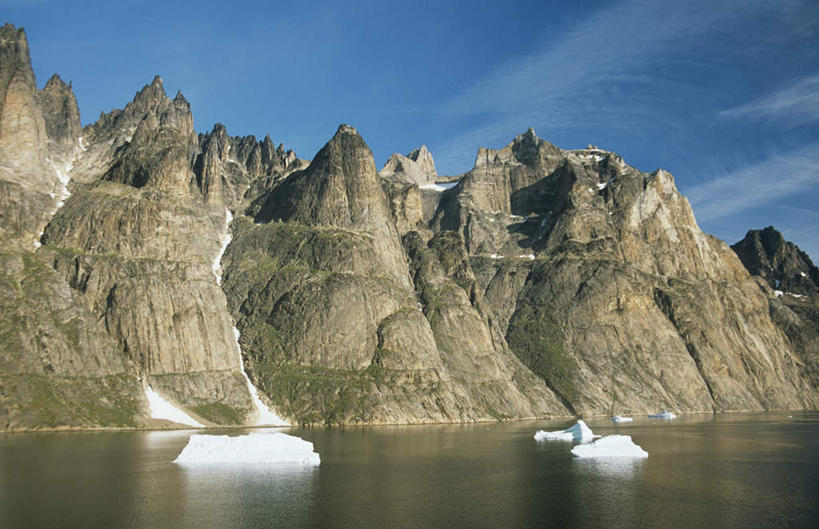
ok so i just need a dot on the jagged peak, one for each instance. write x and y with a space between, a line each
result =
180 98
346 129
9 33
56 82
419 152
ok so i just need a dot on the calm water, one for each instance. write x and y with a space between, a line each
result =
759 470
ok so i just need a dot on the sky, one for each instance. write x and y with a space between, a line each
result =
723 94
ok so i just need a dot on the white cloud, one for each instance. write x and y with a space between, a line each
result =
613 69
775 178
796 104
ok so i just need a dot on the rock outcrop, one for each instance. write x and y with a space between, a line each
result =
789 280
543 282
58 365
766 253
321 287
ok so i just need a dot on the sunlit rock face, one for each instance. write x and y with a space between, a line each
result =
543 282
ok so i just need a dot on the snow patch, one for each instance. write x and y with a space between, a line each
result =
803 274
269 448
266 415
162 409
610 446
617 418
529 256
496 256
667 415
448 185
439 186
578 432
778 293
225 239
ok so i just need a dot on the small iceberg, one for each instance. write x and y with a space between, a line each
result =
266 448
663 415
617 418
610 446
578 432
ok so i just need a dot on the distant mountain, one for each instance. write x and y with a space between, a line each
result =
780 263
794 303
543 282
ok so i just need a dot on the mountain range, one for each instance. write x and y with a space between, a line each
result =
138 253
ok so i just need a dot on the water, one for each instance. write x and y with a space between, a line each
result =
749 470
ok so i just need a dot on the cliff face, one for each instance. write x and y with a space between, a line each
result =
607 288
338 328
543 282
58 365
790 281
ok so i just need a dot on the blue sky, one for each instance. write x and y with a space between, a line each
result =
724 94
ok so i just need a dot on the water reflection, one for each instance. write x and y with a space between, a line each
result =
731 472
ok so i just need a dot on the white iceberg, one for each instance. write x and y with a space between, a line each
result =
610 446
617 418
578 432
266 448
663 415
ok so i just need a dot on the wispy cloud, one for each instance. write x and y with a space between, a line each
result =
613 69
775 178
794 105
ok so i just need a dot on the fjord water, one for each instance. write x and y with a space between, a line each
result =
742 470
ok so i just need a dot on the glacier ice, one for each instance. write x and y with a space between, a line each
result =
577 432
617 418
257 447
610 446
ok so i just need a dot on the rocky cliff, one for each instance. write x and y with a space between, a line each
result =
790 281
543 282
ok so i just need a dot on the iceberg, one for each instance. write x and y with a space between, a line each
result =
266 448
663 415
578 432
610 446
617 418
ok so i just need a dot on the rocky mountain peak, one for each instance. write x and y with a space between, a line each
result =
785 267
61 113
418 167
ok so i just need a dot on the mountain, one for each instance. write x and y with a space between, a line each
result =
139 254
789 279
766 253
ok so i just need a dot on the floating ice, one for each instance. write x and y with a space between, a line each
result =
162 409
617 418
275 448
578 432
610 446
663 415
